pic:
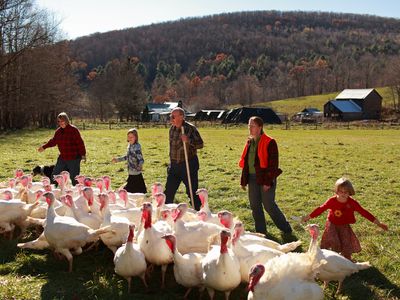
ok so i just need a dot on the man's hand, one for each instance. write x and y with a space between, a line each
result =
266 188
40 149
243 187
84 158
185 138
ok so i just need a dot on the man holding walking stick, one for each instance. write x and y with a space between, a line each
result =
184 140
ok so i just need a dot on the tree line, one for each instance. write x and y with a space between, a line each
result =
35 81
209 62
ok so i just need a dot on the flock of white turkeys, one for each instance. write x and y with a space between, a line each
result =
208 251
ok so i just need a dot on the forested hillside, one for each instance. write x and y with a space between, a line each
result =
281 36
248 57
209 62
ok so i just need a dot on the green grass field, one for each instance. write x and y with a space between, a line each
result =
311 160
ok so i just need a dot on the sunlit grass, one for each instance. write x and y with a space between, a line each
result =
311 161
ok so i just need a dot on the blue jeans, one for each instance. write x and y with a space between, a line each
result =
72 166
176 173
259 198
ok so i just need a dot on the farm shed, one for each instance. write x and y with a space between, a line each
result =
210 115
308 115
368 101
159 112
243 114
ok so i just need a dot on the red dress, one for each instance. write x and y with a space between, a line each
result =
338 234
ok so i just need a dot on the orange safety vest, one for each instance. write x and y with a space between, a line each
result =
262 151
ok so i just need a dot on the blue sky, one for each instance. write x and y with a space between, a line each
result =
83 17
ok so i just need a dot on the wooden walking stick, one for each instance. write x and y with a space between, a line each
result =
187 168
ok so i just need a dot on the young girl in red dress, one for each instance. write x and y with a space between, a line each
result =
338 235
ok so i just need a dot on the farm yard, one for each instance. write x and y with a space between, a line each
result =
311 160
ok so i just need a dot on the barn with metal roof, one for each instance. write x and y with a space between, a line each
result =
354 104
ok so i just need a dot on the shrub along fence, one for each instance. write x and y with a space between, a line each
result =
366 124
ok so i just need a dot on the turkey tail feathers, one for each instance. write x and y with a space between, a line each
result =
289 246
363 265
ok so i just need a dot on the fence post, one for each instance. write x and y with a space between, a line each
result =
83 125
109 124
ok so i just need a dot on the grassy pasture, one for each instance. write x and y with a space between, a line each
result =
312 160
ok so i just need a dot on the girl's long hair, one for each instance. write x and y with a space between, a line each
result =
135 133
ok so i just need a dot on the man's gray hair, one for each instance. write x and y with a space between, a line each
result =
180 110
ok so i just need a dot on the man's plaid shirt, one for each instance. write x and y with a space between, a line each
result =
176 151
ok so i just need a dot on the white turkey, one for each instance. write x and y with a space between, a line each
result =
80 179
85 200
337 267
187 267
67 179
151 243
60 182
65 233
221 268
250 254
121 208
156 187
129 260
14 212
131 199
6 194
115 203
40 210
24 193
107 182
159 198
248 238
119 226
167 216
93 219
193 236
286 277
209 216
277 288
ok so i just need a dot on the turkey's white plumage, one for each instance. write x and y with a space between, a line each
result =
151 243
129 260
281 288
337 267
65 234
193 236
187 267
221 268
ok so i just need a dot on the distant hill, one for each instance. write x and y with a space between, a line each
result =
275 54
287 36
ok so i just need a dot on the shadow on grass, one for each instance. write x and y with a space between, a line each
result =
7 250
94 278
365 285
371 277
